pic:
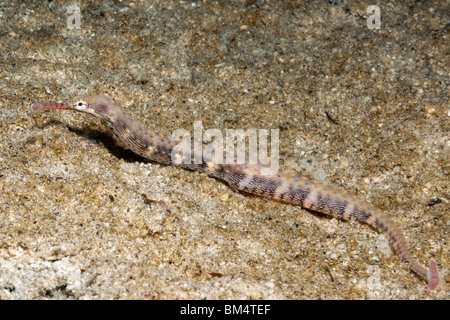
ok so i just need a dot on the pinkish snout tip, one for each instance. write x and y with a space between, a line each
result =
40 105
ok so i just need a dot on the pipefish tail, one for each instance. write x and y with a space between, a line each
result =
251 178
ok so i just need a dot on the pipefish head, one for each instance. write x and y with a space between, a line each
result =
98 106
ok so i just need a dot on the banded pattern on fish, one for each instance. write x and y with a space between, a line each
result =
249 178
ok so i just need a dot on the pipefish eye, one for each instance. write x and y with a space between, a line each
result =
80 105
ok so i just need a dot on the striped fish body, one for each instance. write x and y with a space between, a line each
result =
249 178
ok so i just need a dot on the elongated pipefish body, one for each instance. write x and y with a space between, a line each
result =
251 178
